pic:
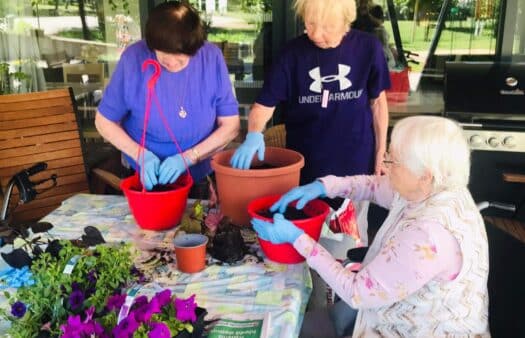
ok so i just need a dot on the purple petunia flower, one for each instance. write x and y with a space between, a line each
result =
75 286
143 314
137 273
140 301
134 270
92 329
73 328
18 309
126 327
115 302
155 306
186 309
163 297
159 330
92 276
71 334
89 313
76 299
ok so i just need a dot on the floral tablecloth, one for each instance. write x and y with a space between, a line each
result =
252 287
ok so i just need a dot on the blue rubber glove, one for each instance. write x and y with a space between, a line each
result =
171 168
151 169
279 232
303 194
254 143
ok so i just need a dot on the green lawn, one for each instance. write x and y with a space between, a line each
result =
72 9
455 36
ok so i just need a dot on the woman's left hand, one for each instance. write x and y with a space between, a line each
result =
171 168
279 232
379 167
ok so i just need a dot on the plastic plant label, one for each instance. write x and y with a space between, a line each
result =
70 265
130 297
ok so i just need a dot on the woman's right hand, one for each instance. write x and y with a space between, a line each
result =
150 166
254 143
303 194
279 232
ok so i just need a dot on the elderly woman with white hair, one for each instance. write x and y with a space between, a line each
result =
425 274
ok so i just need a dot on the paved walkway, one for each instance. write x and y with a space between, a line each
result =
54 24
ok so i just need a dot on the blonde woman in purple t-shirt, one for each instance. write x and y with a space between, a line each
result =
194 92
330 82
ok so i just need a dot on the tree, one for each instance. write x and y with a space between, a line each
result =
86 34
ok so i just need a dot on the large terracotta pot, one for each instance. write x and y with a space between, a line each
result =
236 187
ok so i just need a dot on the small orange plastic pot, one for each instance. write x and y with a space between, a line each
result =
190 251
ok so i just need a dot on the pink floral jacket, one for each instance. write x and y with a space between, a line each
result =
413 263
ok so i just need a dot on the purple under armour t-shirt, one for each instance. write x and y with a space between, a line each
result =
337 139
203 88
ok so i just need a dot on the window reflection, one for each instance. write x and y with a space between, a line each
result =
243 31
469 31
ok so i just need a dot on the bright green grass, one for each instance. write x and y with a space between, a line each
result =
455 37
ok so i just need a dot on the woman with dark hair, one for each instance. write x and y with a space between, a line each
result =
194 93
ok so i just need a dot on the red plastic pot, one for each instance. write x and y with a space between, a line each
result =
317 211
161 210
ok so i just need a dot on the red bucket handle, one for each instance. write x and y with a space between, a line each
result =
149 96
156 74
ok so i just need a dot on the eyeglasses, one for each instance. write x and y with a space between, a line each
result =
388 161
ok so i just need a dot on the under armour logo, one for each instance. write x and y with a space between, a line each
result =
344 83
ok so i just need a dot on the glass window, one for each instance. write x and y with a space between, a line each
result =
52 34
242 29
65 43
518 48
468 32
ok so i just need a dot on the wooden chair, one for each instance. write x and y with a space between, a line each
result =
42 127
275 136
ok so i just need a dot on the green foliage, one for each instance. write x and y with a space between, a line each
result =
430 8
117 4
5 80
47 299
218 35
13 82
76 33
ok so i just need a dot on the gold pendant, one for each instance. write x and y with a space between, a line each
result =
182 113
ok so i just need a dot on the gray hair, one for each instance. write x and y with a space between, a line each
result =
434 144
327 9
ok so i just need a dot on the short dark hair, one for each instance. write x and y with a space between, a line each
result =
175 27
377 12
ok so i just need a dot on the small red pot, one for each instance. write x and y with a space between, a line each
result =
161 210
317 211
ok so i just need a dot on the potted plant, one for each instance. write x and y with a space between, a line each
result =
67 280
164 315
80 292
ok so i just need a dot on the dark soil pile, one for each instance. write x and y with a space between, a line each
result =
291 213
263 166
227 244
162 188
